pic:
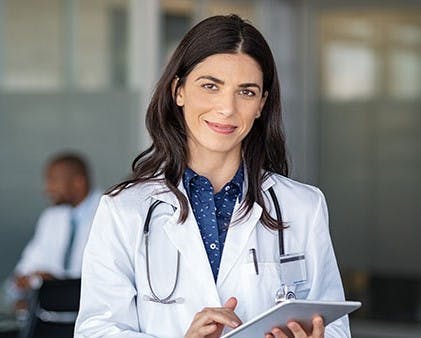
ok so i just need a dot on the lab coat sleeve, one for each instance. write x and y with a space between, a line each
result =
326 282
108 295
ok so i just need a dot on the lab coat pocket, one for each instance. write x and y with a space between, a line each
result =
259 286
302 290
172 318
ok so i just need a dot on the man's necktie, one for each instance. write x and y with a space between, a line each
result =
72 234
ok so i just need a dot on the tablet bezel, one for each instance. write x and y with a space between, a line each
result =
293 310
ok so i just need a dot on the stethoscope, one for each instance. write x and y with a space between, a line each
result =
282 294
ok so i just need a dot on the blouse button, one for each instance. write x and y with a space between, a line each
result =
213 246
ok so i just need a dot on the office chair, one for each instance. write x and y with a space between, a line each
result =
53 310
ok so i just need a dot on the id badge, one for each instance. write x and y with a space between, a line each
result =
293 269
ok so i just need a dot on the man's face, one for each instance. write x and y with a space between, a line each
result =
59 182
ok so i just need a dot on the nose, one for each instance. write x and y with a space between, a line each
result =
227 104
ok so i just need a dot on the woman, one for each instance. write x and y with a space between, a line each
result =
209 258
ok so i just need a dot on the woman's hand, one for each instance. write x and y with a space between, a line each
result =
210 322
298 331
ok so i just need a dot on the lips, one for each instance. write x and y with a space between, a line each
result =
221 128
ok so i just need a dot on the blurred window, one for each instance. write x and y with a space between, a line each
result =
69 43
32 45
350 71
174 25
405 73
404 60
370 55
101 44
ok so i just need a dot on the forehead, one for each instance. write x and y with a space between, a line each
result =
58 168
228 66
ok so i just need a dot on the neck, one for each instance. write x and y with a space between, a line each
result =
218 168
79 199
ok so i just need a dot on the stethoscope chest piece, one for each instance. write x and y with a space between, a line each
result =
284 293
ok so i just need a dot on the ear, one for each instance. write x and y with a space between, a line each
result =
262 104
177 93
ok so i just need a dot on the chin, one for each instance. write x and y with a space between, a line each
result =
58 202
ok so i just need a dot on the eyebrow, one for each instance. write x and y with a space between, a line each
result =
219 81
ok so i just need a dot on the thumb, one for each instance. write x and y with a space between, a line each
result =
231 303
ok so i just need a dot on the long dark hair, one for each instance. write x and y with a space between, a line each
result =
263 148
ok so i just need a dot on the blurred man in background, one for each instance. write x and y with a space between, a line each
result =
56 249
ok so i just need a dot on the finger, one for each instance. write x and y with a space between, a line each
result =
278 333
318 327
229 312
218 315
207 329
297 330
231 303
201 331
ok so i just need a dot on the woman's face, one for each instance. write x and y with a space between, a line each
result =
221 98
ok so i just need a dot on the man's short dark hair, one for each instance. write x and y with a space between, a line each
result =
75 161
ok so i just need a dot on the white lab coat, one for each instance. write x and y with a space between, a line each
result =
114 278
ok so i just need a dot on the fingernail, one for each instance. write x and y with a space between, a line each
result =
319 321
235 324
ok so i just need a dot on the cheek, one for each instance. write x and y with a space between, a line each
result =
194 108
249 115
249 124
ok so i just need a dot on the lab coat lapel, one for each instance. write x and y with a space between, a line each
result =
186 238
238 235
236 241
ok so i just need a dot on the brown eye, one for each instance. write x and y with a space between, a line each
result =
247 92
210 86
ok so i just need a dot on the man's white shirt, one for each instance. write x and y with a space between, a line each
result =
46 250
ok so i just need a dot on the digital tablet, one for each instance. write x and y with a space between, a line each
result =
301 311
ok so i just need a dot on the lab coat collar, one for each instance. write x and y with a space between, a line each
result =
268 181
162 193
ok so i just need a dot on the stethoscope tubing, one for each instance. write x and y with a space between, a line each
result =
165 300
279 218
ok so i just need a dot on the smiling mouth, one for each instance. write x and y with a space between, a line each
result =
221 128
